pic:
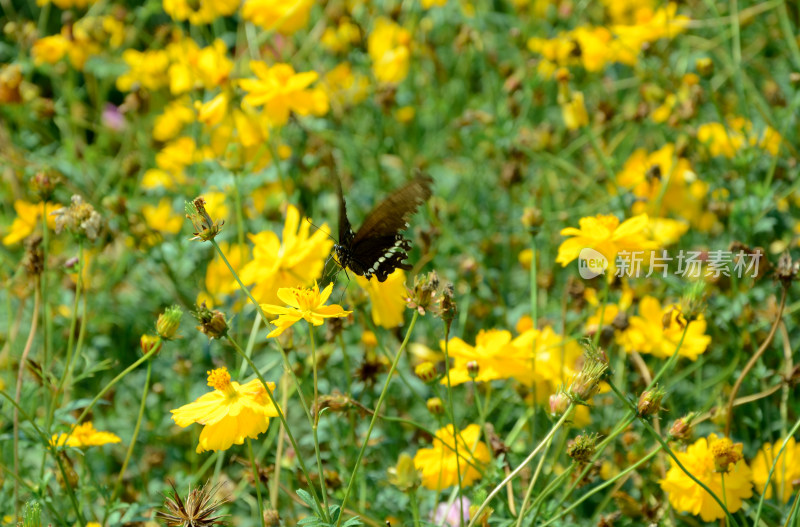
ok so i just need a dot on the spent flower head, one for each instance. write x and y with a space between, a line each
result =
200 509
205 228
650 402
80 218
423 296
683 429
582 447
212 322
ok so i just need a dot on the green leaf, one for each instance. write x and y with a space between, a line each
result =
307 499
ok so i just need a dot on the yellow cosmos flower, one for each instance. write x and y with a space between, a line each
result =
200 11
344 88
84 435
726 140
308 304
194 67
573 111
647 333
147 69
50 50
299 260
666 231
604 317
687 496
157 178
389 48
281 91
212 112
284 16
175 116
787 469
162 218
387 298
605 234
178 154
29 218
339 39
439 465
494 352
229 414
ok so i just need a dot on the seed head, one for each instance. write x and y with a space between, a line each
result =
200 509
205 228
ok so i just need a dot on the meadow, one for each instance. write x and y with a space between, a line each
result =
595 322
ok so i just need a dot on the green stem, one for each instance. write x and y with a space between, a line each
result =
281 416
375 415
456 432
412 497
110 385
532 484
132 444
315 422
522 465
772 470
256 481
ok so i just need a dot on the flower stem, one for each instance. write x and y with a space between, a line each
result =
522 465
315 422
256 481
452 416
18 394
375 415
132 444
280 416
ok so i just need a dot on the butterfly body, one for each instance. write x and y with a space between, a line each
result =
378 248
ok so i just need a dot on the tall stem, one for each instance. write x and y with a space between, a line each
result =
315 423
256 481
375 415
452 413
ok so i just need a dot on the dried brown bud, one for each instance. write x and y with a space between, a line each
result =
212 323
582 448
33 261
650 402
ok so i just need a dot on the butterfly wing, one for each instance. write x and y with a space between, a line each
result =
345 229
378 248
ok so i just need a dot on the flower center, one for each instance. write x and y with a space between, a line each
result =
220 379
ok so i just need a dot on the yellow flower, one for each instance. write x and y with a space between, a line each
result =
218 281
427 4
50 50
284 16
647 333
147 69
719 141
230 413
162 218
387 298
67 4
687 496
439 465
212 112
155 178
179 153
666 231
308 304
605 234
194 67
405 114
299 260
84 435
29 218
280 91
388 46
169 124
344 88
339 39
573 111
787 469
605 317
493 353
199 11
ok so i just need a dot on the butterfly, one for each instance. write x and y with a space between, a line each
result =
378 248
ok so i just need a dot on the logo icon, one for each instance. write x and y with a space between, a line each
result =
591 263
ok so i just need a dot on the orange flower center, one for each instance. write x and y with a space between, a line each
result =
220 379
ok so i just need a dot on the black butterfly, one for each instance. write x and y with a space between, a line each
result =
378 248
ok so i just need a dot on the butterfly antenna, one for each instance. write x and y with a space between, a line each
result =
320 229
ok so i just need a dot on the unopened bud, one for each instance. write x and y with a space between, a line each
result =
683 429
704 66
473 368
426 371
168 322
271 518
212 323
205 228
559 402
650 402
435 406
150 343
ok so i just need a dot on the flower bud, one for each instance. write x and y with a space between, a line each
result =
150 343
44 184
704 66
435 406
271 518
168 322
426 371
559 402
650 402
725 453
473 368
683 429
447 306
582 448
